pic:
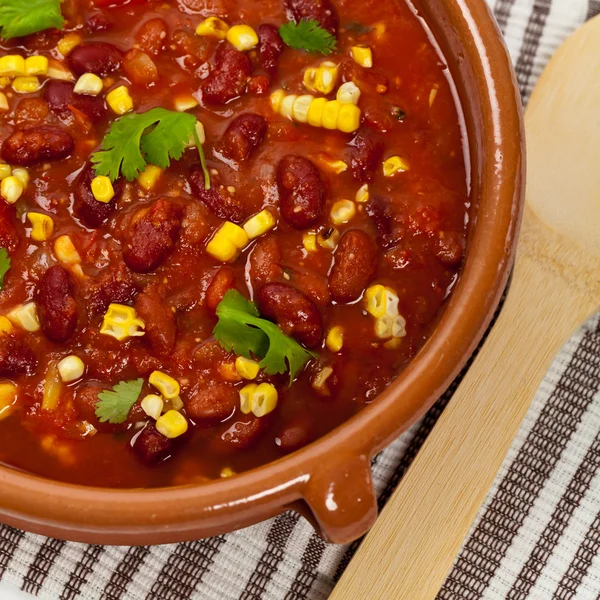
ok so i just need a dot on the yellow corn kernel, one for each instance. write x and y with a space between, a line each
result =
362 55
200 133
264 399
335 339
342 211
348 93
286 108
5 171
149 177
390 327
221 249
11 189
25 316
102 189
22 175
71 368
320 381
246 368
172 424
394 165
36 65
122 322
315 112
173 404
328 238
246 395
8 399
26 85
321 79
362 195
119 100
432 94
3 101
152 405
89 84
392 344
65 250
12 65
234 234
58 70
213 27
309 241
376 300
276 99
331 110
42 226
348 118
259 224
70 41
183 103
4 82
5 326
300 108
165 384
243 37
333 166
227 472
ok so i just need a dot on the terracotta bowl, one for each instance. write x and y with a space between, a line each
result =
330 481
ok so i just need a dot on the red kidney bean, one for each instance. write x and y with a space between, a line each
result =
212 402
270 47
295 313
194 48
228 78
151 37
242 434
152 237
259 85
85 401
354 266
9 238
57 308
16 357
150 446
217 199
112 285
99 22
60 97
31 111
295 434
223 281
321 11
140 68
26 147
379 209
365 154
302 191
160 320
264 262
99 58
86 208
243 136
450 248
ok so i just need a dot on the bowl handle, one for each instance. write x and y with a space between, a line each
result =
341 497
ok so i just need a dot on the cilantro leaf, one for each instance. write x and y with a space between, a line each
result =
20 17
114 405
4 265
308 35
156 136
241 329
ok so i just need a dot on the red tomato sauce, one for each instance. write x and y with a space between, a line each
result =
409 236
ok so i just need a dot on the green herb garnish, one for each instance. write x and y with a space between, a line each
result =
4 265
241 329
22 17
113 406
155 137
308 35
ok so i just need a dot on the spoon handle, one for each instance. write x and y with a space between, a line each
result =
412 546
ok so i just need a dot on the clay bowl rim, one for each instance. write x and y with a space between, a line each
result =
165 515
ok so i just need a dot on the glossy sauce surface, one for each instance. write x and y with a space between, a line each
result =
416 220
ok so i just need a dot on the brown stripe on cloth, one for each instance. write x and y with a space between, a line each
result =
42 563
569 502
184 570
277 540
502 10
587 551
489 541
302 585
9 542
81 574
593 9
116 588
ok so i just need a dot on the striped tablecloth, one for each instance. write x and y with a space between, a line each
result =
537 535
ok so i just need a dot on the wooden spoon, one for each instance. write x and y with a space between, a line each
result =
555 287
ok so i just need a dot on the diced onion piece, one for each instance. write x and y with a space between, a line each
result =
26 317
152 405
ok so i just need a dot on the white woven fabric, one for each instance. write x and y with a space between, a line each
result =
537 535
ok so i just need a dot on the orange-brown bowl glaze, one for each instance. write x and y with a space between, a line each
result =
330 480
